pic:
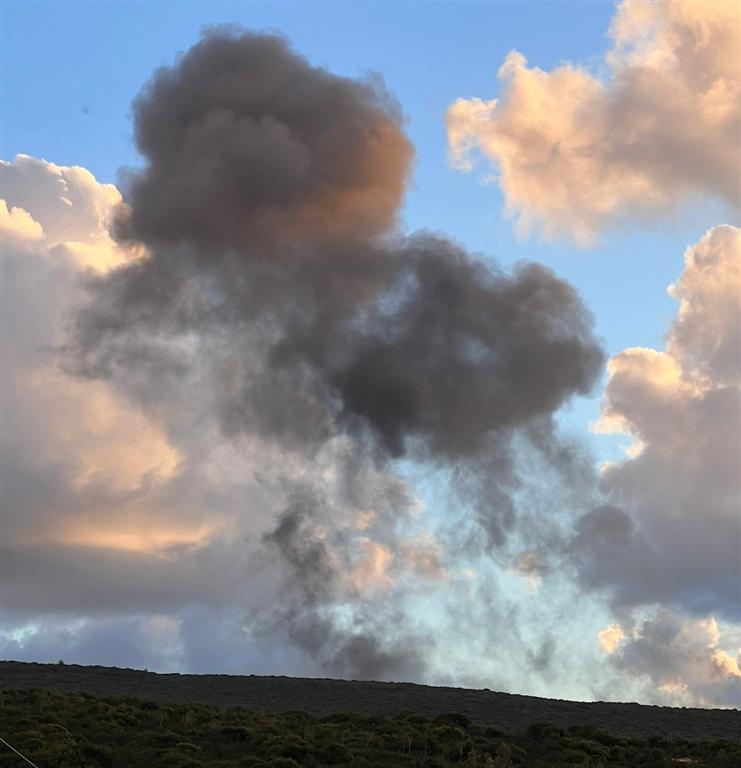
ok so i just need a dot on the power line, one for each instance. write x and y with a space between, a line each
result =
10 746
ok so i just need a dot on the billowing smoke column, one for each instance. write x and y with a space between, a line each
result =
274 279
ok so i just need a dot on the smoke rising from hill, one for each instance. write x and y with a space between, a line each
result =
275 284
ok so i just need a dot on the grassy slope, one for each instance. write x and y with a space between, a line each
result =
508 712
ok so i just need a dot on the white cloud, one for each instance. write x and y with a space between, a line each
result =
682 659
677 498
670 540
575 154
71 210
18 226
706 338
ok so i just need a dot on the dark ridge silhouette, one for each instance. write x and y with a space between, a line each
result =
508 712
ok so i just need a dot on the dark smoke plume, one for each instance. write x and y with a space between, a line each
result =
276 285
244 139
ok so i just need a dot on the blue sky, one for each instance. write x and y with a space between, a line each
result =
70 71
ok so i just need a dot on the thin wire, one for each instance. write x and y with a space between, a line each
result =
10 746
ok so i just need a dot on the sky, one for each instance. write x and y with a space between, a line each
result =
377 341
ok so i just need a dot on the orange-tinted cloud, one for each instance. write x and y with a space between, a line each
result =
610 638
682 658
71 211
575 153
79 429
650 393
670 533
18 225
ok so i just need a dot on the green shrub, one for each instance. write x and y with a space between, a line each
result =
79 731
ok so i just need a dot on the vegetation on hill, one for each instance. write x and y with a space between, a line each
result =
77 730
509 712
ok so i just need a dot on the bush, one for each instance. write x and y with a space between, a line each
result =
73 731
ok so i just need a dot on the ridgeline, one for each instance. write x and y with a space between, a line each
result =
507 712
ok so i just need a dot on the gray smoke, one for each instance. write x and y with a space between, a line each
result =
276 285
244 138
374 648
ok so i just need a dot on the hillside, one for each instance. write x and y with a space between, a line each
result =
507 712
78 730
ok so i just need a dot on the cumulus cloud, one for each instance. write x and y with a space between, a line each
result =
18 225
575 153
670 535
95 492
673 535
97 439
681 659
706 338
72 211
